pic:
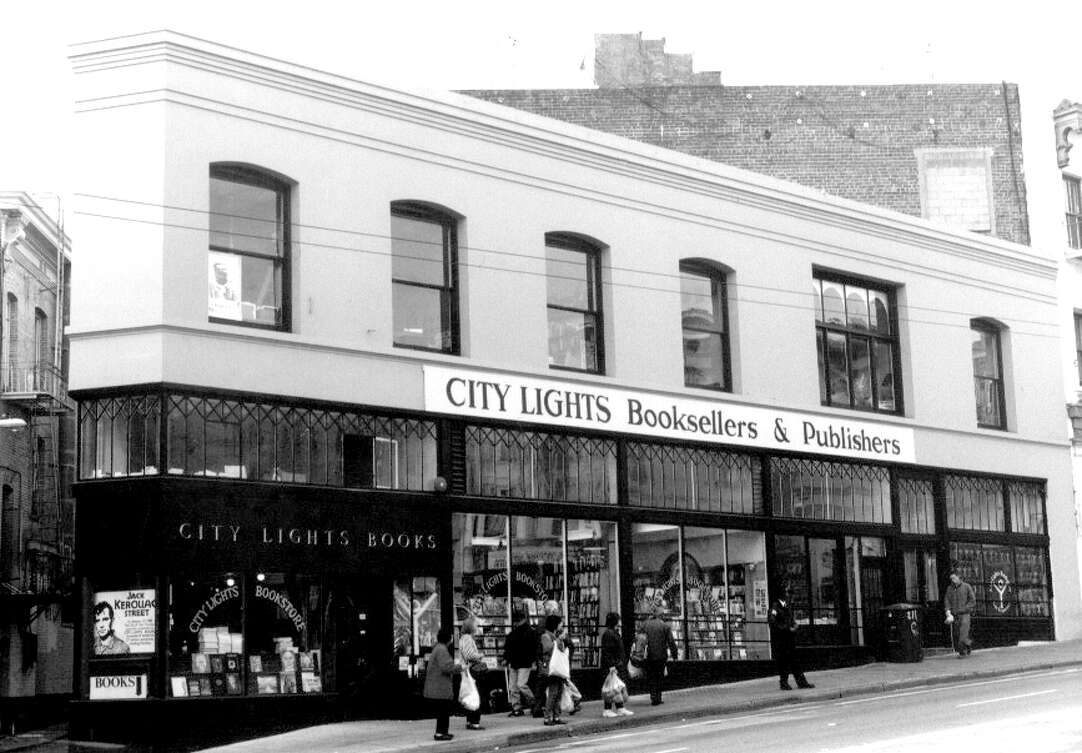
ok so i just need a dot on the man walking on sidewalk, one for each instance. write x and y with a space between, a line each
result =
959 600
659 645
519 655
783 638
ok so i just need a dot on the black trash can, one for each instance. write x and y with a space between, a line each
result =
901 626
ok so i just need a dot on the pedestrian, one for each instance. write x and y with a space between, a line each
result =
551 640
659 645
612 655
959 601
473 660
439 685
520 656
783 638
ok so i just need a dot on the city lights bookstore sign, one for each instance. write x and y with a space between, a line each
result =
512 398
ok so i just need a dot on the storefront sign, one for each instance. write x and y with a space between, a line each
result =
270 536
566 404
113 687
124 622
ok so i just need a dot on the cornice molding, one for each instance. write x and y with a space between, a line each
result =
516 129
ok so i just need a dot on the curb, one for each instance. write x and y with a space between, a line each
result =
590 727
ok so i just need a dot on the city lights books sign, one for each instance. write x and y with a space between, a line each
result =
565 404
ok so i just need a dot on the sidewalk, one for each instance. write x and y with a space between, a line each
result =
501 731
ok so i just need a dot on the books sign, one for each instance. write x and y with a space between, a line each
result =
112 687
124 622
509 397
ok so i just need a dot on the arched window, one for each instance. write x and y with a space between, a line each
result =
573 268
705 322
988 373
424 277
249 247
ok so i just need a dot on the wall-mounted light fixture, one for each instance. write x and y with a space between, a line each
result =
440 484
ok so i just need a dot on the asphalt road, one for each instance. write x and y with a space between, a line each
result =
1038 712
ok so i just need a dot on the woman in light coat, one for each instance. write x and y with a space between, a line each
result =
471 659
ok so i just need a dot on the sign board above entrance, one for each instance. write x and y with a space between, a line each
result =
506 397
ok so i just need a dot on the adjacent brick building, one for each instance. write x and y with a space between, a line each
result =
948 152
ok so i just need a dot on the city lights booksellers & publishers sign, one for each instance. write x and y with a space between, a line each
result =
565 404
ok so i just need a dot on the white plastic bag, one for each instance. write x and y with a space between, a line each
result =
567 703
634 671
614 689
560 663
467 692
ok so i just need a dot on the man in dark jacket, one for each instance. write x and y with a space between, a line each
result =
659 645
783 637
959 600
519 655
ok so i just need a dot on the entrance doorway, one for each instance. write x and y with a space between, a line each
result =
865 571
920 565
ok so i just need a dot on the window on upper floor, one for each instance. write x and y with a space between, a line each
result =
705 321
13 327
42 355
1073 188
857 341
956 187
424 278
249 247
1078 344
573 267
988 374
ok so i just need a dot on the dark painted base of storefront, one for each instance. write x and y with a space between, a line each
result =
22 713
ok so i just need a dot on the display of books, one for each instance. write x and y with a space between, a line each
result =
255 663
311 682
289 661
194 686
232 684
307 660
217 685
288 682
204 686
179 686
232 662
217 663
267 684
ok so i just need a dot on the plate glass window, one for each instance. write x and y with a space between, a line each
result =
988 376
573 269
857 344
705 327
423 269
249 248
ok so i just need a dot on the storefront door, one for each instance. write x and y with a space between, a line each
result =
866 567
920 565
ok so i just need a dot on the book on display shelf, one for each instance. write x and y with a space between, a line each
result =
179 686
194 686
267 684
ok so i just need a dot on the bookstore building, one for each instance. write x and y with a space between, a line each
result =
283 495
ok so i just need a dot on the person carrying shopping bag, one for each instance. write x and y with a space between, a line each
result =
473 661
554 666
439 687
614 661
519 658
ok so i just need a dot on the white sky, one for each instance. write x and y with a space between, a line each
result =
506 44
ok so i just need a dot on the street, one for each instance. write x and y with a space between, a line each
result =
1033 712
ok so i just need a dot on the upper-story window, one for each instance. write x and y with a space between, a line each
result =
42 355
857 341
988 375
1073 187
705 321
956 187
1078 344
573 267
424 274
249 247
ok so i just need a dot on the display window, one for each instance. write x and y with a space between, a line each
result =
541 566
246 634
712 584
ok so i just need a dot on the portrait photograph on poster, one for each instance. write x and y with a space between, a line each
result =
124 622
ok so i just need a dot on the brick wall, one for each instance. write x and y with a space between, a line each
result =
857 142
